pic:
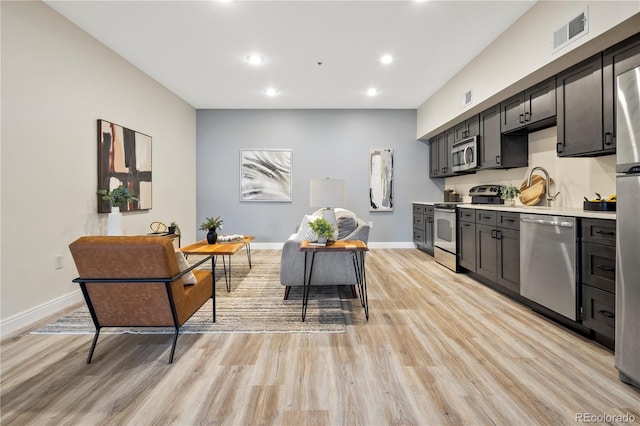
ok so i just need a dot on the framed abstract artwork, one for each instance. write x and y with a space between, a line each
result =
124 159
381 179
265 175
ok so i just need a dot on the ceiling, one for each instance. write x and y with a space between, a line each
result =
317 54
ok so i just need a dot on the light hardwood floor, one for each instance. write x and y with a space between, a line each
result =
439 348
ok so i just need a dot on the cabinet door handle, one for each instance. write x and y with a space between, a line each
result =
608 138
559 146
606 268
498 235
497 159
607 314
605 232
508 220
527 116
484 216
521 118
493 233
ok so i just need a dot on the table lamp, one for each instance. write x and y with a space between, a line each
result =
327 193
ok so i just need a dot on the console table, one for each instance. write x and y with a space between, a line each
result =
357 249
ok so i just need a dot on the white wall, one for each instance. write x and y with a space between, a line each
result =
56 82
523 55
575 178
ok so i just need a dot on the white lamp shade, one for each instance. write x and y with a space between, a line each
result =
327 193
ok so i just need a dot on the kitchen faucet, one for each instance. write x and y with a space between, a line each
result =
548 197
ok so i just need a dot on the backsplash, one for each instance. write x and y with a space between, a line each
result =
575 178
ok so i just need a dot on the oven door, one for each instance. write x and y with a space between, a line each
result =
445 229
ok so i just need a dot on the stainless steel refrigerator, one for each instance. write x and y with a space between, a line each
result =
627 348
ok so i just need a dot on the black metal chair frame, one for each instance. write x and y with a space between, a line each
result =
167 282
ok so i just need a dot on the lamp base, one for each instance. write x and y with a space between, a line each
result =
330 215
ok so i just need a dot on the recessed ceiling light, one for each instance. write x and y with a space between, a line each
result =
255 59
271 91
386 59
372 91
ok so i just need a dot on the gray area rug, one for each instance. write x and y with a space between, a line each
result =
254 305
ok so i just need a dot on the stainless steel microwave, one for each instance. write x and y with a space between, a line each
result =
464 154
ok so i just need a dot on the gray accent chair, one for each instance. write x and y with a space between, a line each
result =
328 268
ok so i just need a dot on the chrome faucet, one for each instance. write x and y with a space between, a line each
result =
548 197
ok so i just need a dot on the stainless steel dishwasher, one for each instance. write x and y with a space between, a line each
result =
548 262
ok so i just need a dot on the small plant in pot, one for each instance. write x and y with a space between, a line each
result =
118 196
323 229
211 224
509 194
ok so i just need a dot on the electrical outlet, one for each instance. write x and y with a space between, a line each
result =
371 224
58 261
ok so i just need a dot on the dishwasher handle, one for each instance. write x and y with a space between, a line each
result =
548 222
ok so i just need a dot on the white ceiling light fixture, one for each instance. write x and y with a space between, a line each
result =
372 91
255 59
271 92
386 59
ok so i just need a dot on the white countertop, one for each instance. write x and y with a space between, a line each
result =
558 211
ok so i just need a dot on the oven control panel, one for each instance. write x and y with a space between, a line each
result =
490 190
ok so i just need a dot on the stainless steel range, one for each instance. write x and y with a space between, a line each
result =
445 229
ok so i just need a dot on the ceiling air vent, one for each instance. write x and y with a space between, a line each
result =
571 31
465 99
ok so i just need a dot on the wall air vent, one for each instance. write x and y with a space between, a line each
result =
571 31
466 99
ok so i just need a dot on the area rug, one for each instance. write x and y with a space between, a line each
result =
254 305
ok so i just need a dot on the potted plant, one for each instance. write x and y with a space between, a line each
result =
117 197
509 194
323 229
174 228
211 224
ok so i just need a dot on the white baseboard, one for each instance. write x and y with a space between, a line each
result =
31 316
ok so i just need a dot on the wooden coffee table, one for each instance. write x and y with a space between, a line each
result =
357 248
221 249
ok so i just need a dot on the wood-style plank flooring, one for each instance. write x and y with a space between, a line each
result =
439 348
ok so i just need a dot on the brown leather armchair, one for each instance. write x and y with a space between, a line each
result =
132 281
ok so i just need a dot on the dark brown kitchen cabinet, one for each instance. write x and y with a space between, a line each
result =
498 150
533 109
498 248
423 227
467 239
579 96
598 278
440 154
467 129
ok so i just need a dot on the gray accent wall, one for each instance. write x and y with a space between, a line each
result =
324 143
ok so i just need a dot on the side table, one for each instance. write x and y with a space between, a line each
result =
357 249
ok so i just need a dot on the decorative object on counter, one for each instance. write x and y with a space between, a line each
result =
381 179
509 194
211 224
158 227
265 175
533 194
324 230
117 197
451 196
124 159
600 204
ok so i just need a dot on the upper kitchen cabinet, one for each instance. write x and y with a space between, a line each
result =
533 109
498 150
580 111
440 154
467 129
617 60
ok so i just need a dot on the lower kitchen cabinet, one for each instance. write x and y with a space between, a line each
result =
467 239
598 278
498 248
423 227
